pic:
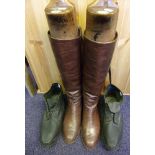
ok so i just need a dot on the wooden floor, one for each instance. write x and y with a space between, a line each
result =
40 56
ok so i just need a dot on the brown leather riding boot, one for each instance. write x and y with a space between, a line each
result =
67 54
97 57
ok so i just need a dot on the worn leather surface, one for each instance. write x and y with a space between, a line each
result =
90 120
72 119
53 116
67 54
96 62
111 117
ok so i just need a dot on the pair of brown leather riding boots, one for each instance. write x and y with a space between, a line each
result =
83 70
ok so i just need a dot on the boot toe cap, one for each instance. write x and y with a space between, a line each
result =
111 146
49 132
89 144
112 137
112 142
70 136
46 139
90 140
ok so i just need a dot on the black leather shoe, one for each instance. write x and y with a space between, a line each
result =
111 118
53 116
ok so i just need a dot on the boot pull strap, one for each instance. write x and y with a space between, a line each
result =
110 75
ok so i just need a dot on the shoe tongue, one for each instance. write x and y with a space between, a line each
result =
113 105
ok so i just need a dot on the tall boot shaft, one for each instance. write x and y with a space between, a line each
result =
96 64
97 58
67 55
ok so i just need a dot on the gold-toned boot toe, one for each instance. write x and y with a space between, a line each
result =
70 136
90 138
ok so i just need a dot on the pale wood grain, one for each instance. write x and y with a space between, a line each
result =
38 50
121 59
